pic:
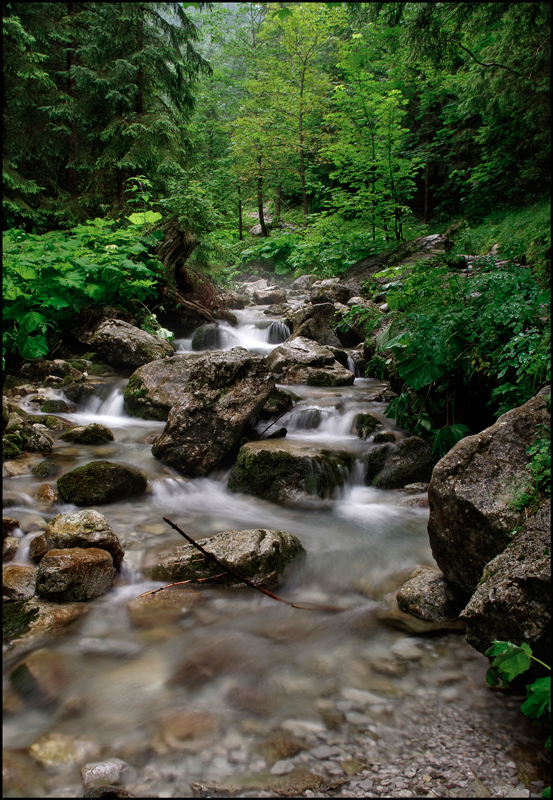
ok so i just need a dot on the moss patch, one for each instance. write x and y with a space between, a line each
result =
9 449
16 618
101 482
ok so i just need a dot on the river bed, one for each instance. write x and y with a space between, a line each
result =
200 700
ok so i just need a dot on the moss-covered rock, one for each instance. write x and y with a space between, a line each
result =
46 469
16 618
53 423
35 440
100 369
5 412
154 389
101 482
55 406
277 403
374 461
9 449
284 470
88 434
385 436
365 424
410 461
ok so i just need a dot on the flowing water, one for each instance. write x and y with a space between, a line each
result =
245 663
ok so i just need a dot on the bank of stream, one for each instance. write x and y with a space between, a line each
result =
237 693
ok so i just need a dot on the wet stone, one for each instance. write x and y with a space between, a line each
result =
101 773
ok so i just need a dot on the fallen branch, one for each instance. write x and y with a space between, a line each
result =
180 583
216 561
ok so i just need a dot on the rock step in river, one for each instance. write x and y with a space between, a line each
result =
210 690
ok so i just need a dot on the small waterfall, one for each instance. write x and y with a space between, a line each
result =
353 366
111 406
22 555
278 332
303 419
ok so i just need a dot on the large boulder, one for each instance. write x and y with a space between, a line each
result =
304 282
300 360
125 345
260 556
313 322
86 528
74 574
473 488
513 599
388 467
154 388
282 470
265 297
225 393
101 482
329 291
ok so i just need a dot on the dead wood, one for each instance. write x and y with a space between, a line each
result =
220 564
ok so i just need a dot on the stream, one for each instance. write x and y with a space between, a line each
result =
197 698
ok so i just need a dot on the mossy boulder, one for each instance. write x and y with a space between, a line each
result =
101 482
5 412
88 434
365 424
55 407
9 449
16 618
260 556
46 469
50 422
35 440
283 471
374 461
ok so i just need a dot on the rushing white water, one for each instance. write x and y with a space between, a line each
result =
121 670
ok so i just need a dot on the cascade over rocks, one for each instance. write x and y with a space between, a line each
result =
125 345
101 482
313 322
284 471
207 337
86 528
260 556
472 491
300 360
225 393
155 388
513 599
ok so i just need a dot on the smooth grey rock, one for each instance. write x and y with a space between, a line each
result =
410 461
330 290
300 360
313 322
154 388
428 595
125 345
257 555
472 491
513 599
101 773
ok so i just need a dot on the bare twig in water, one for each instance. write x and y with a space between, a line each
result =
180 583
238 577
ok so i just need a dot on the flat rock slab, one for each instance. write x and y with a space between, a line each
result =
163 607
101 482
74 574
282 470
259 555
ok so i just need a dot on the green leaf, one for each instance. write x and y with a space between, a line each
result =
418 371
144 217
26 272
31 321
510 659
33 346
539 698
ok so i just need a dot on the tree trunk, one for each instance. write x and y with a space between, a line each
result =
139 107
302 158
71 91
426 217
278 201
240 236
260 200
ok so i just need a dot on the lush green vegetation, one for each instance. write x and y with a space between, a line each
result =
508 661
